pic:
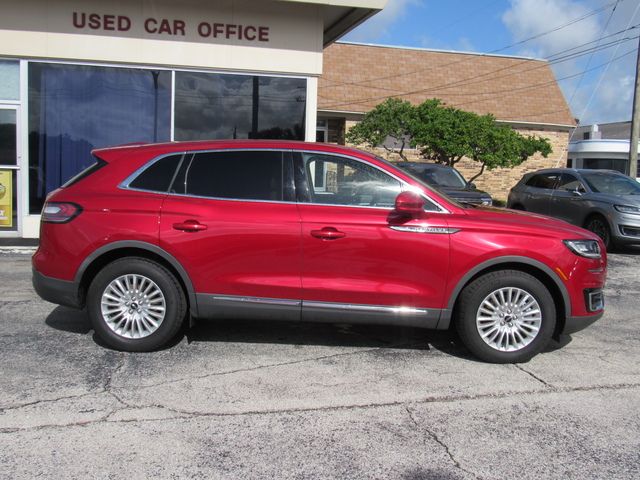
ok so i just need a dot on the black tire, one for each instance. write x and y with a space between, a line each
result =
599 225
468 308
172 300
518 206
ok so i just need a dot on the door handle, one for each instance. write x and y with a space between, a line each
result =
328 233
190 226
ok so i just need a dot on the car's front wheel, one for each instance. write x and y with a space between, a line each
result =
598 225
136 305
506 316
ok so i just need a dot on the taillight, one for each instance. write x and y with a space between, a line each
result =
60 212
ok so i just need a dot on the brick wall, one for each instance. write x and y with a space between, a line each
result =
497 182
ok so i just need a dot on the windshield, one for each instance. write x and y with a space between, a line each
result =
444 177
615 184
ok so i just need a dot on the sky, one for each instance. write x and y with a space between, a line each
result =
591 44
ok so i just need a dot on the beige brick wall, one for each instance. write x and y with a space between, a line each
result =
499 181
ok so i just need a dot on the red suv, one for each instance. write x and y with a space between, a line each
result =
152 234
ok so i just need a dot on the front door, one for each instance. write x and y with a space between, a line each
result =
9 170
357 258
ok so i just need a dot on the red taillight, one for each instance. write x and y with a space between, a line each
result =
60 212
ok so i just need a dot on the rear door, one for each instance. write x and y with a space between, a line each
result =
232 222
538 191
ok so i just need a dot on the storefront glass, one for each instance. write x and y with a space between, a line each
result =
74 109
9 80
220 106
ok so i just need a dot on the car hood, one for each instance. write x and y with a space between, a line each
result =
462 193
615 199
516 221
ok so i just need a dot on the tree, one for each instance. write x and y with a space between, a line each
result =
446 134
392 118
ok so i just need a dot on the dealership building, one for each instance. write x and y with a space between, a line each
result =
78 75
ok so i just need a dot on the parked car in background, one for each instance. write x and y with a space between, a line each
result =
151 235
449 181
603 201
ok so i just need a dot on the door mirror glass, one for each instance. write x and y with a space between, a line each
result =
409 203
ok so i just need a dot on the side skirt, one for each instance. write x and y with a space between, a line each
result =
227 306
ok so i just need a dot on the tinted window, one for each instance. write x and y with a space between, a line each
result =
214 106
74 109
569 183
543 180
249 175
158 176
343 181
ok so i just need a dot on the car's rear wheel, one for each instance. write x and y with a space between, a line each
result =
598 225
506 316
136 305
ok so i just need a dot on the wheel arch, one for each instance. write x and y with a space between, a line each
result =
524 264
130 248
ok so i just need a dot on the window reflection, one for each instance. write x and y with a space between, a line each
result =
74 109
222 106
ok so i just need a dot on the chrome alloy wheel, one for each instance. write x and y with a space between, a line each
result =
509 319
133 306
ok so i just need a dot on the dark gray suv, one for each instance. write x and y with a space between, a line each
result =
603 201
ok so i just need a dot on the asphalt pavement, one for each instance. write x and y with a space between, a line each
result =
250 400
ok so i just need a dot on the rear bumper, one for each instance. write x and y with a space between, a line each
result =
57 291
575 324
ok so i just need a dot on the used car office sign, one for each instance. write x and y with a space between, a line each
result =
170 27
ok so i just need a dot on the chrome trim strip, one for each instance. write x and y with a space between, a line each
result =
365 308
258 300
425 229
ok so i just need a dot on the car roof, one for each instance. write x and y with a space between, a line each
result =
573 170
422 164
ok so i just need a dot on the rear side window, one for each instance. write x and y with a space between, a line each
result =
543 180
158 176
241 175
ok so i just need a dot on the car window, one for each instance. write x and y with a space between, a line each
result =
613 183
344 181
158 175
242 175
543 180
444 177
570 183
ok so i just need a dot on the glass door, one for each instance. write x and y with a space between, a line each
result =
9 170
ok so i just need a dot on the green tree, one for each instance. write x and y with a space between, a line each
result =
446 134
392 118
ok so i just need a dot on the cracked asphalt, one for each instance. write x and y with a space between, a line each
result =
252 400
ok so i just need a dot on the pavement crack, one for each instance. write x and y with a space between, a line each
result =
434 436
534 376
49 400
270 365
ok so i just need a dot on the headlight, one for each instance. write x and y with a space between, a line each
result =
487 202
584 248
627 209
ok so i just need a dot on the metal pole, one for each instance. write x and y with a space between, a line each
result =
635 123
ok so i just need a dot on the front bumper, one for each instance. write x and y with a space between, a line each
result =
575 324
57 291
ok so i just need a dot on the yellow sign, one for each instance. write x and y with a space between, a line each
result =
6 198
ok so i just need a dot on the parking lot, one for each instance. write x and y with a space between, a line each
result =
263 400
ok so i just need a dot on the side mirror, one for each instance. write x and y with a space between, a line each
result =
409 203
472 186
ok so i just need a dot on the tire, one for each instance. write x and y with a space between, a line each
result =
518 206
132 322
483 305
599 225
